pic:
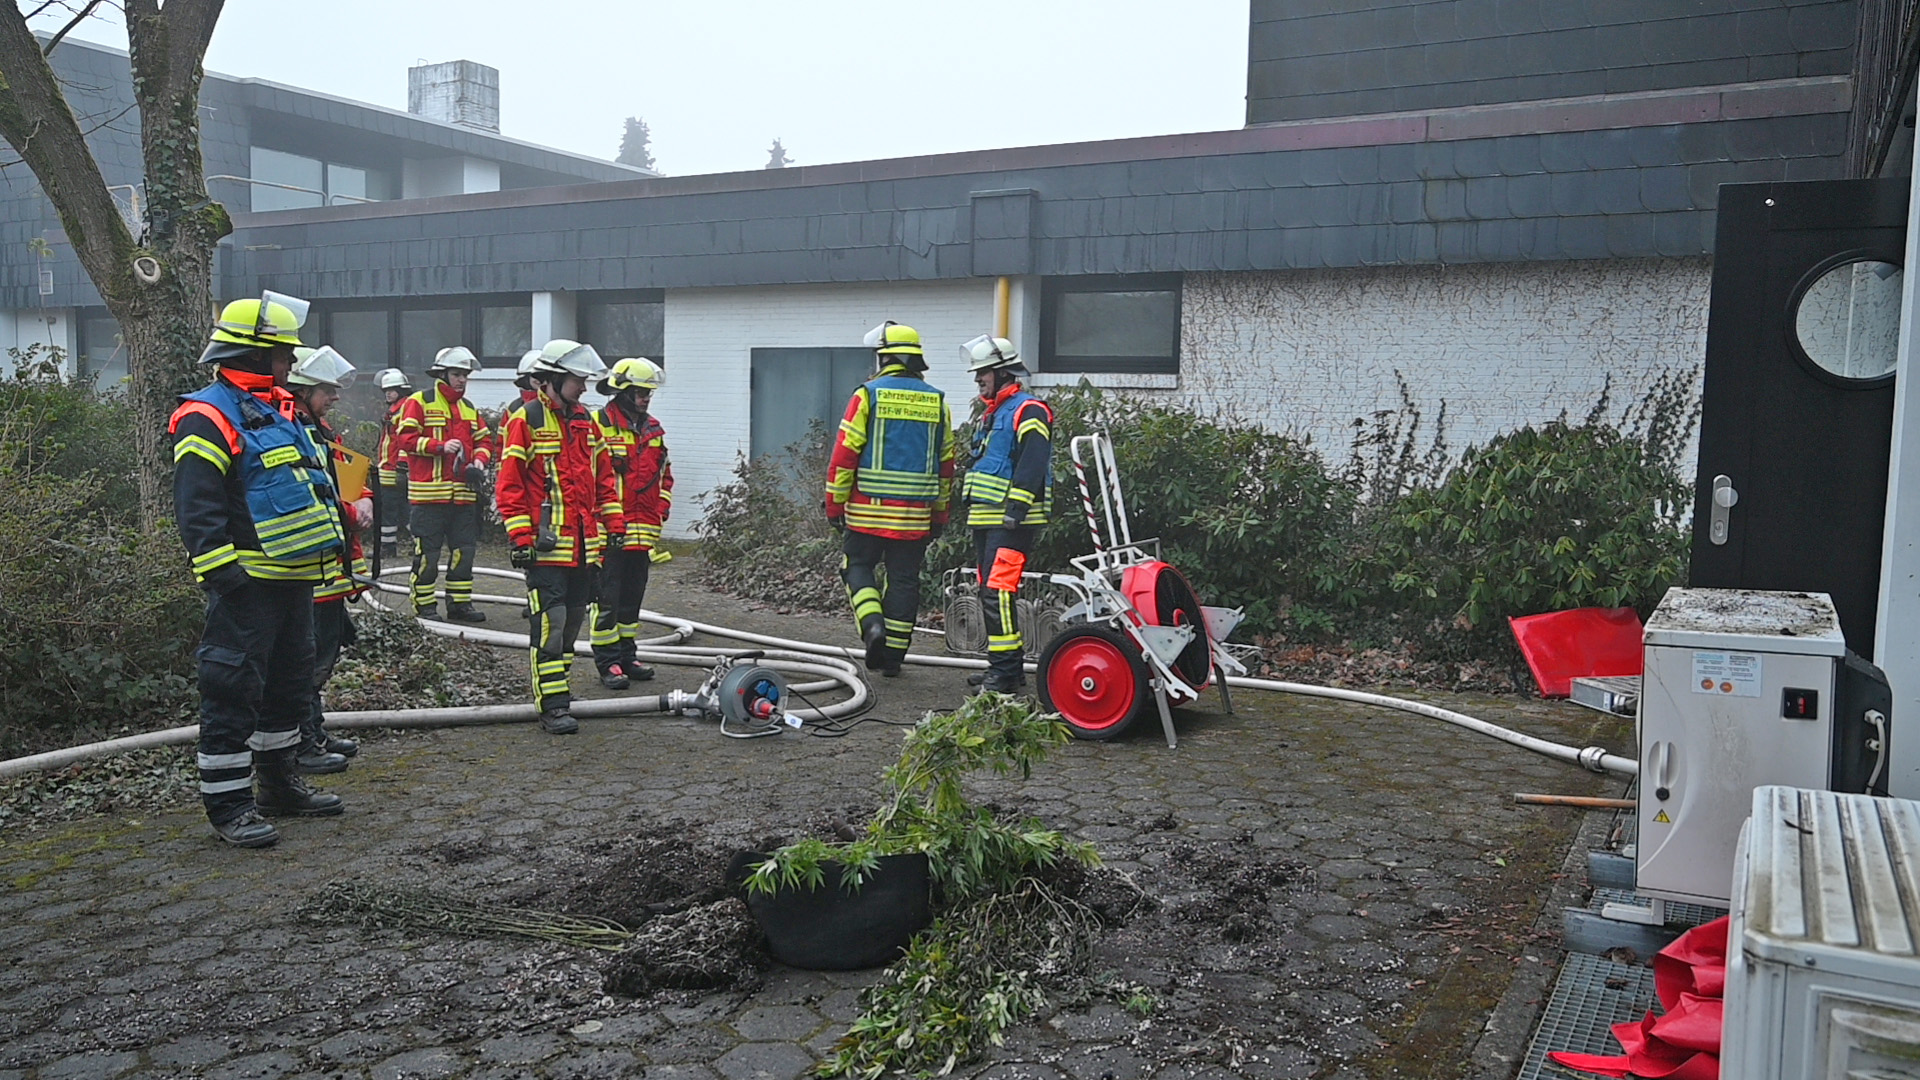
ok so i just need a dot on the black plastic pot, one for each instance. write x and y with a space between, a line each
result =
833 929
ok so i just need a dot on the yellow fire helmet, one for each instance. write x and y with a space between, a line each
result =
273 319
633 373
891 338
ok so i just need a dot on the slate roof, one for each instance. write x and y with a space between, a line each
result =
1615 177
1320 58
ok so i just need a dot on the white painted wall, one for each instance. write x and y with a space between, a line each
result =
46 326
1897 632
710 335
1502 344
423 178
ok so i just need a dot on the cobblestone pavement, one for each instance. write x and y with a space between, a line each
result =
143 948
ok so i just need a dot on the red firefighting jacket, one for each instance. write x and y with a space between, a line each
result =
556 475
645 475
428 421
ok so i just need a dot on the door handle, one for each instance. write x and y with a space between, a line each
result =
1724 498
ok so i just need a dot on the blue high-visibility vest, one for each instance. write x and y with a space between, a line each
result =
902 457
289 494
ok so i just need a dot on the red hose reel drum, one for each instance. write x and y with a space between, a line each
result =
1161 597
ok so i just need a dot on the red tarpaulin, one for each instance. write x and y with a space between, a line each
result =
1561 646
1689 977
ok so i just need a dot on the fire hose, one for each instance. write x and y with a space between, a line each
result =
831 666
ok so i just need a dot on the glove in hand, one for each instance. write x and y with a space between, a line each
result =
522 557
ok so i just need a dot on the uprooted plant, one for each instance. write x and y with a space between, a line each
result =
1007 943
970 851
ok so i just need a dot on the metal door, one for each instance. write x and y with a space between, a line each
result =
1797 416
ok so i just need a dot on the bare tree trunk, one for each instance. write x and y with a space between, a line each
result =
158 286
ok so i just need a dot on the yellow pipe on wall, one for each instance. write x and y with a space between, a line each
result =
1002 307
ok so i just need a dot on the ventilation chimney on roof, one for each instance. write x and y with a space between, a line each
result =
456 92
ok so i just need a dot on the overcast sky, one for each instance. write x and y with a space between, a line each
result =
718 80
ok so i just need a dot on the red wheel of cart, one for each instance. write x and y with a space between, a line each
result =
1094 678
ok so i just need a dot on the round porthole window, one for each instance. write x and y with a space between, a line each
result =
1847 323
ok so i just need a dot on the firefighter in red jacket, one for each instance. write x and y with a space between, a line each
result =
638 445
558 494
393 468
316 382
887 487
448 446
256 512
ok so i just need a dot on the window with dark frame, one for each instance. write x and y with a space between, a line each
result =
1111 323
621 324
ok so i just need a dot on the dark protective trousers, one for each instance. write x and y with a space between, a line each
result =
616 610
392 510
883 584
332 631
557 601
256 686
456 527
1001 555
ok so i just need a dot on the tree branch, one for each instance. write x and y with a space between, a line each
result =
65 30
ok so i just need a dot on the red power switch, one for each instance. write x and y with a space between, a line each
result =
1797 704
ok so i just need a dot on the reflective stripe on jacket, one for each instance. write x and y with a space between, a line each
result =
274 514
641 471
1012 462
340 576
428 421
892 462
554 473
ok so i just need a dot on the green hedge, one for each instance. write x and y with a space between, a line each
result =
98 617
1563 515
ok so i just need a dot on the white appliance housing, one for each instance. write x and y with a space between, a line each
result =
1823 948
1738 691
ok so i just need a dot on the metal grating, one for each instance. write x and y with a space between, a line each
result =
1591 995
1678 914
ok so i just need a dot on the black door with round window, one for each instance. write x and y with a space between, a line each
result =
1797 417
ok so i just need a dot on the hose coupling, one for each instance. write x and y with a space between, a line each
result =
1592 757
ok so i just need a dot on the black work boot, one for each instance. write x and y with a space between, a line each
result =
636 671
313 758
282 790
426 611
614 677
249 830
340 744
558 721
977 678
1005 677
465 612
874 635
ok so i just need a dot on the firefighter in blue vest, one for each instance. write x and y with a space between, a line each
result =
887 488
1008 487
258 516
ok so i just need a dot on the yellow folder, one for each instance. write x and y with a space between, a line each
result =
352 468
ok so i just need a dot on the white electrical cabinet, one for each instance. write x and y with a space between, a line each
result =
1738 691
1823 947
